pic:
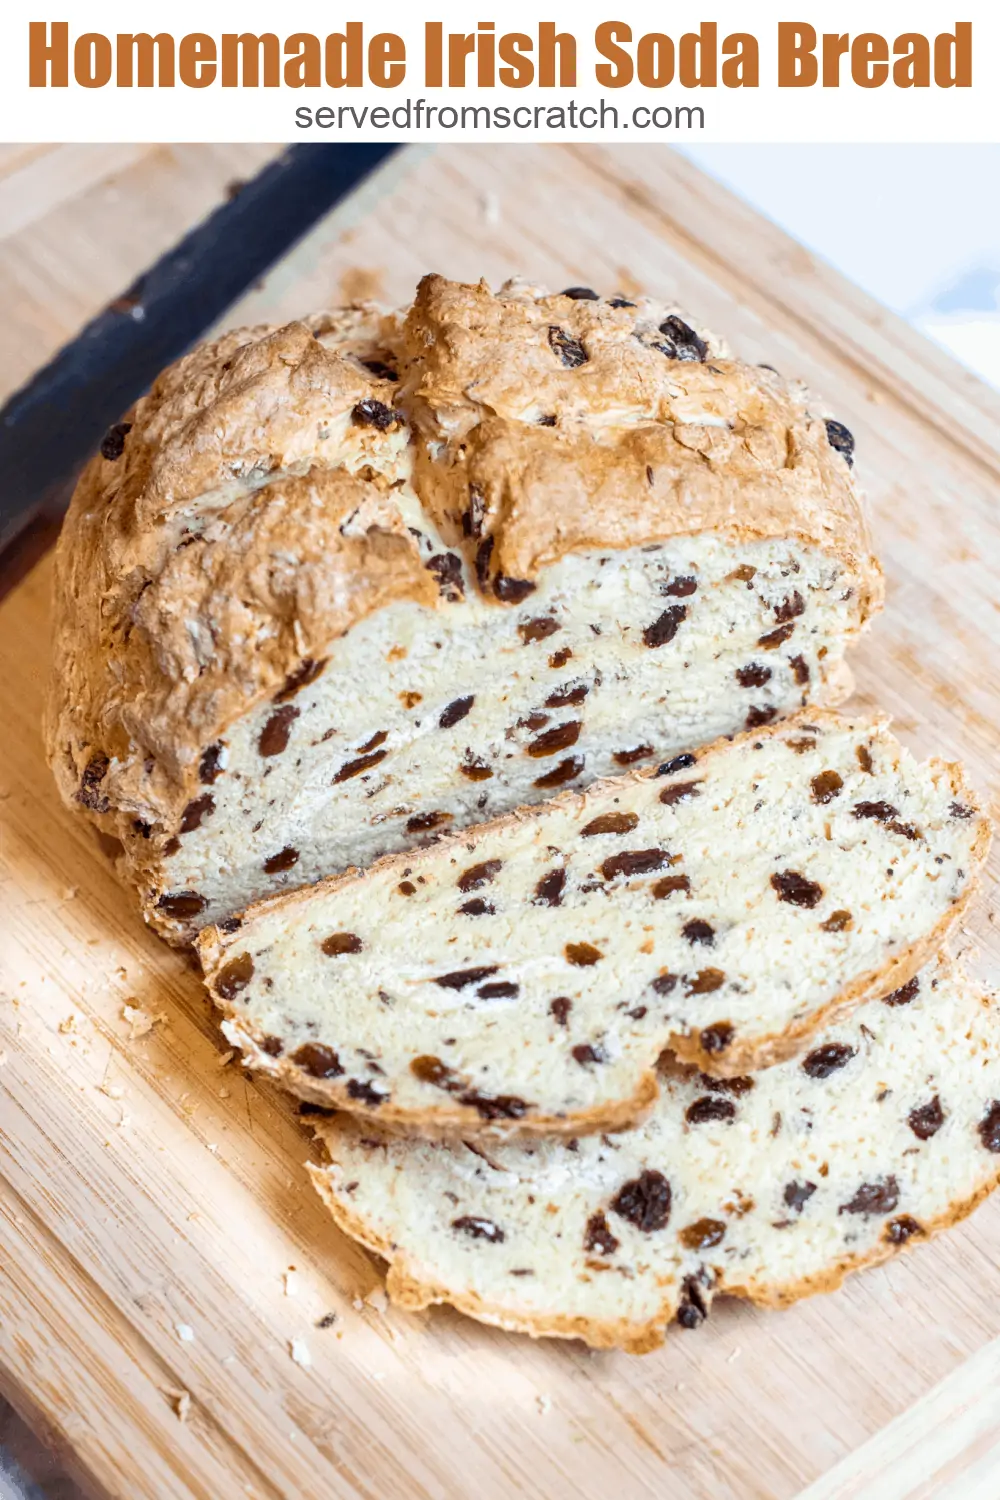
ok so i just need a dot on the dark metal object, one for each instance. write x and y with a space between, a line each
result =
51 426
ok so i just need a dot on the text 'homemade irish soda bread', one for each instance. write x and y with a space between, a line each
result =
335 587
769 1187
527 974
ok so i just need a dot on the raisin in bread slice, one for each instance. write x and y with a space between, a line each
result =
770 1187
335 587
527 974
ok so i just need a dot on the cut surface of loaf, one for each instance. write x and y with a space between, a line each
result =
527 974
769 1187
336 587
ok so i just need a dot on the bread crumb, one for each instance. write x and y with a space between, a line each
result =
184 1332
226 1058
357 1304
377 1300
734 1356
140 1022
70 893
68 1024
3 1058
224 1093
491 208
544 1404
299 1351
113 1090
291 1282
180 1401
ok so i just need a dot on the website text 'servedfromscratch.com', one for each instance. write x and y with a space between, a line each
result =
417 114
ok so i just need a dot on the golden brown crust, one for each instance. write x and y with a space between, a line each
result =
454 1120
201 566
407 1290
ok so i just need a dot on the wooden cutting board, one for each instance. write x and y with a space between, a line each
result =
160 1246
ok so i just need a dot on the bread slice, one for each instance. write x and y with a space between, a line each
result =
527 974
770 1187
334 588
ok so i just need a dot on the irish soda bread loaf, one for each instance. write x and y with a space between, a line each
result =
769 1187
525 975
335 587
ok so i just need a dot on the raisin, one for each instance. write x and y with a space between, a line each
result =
272 1045
669 884
801 746
560 1008
926 1120
494 1106
679 792
959 810
692 1310
538 630
230 924
379 369
709 1108
459 979
474 769
837 921
737 1086
549 890
686 343
473 517
432 1070
634 862
597 1236
898 1231
406 888
800 669
341 942
274 736
283 860
873 1198
426 822
372 413
826 785
479 875
181 904
512 590
553 740
549 420
705 982
484 552
357 767
797 1195
644 1201
699 932
113 441
989 1127
456 711
317 1060
568 696
210 765
790 608
479 1229
827 1059
195 813
794 888
559 658
582 955
757 717
882 812
842 439
90 795
363 1091
234 976
904 994
613 822
567 770
702 1234
630 757
378 738
477 908
664 984
679 763
718 1037
580 294
620 302
665 626
864 758
774 638
503 989
447 570
570 350
753 675
307 671
585 1054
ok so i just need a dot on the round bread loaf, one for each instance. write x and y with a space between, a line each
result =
335 587
769 1187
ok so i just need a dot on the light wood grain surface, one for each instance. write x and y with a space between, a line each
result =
148 1191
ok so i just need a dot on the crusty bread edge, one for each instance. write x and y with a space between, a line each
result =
446 1120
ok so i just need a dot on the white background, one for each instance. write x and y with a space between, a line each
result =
764 114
